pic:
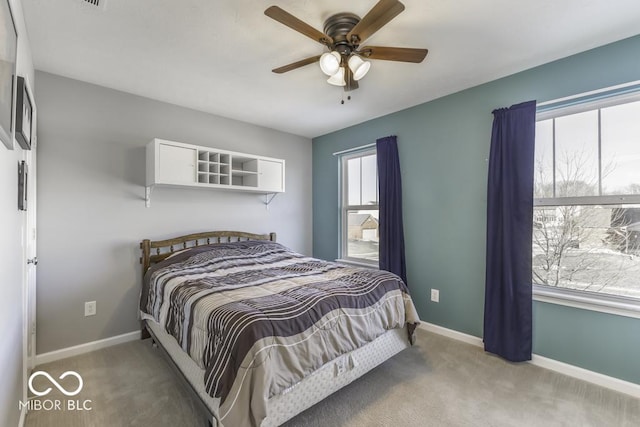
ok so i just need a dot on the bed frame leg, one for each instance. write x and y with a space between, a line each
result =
144 333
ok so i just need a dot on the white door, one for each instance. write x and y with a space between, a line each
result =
30 255
177 165
271 175
369 235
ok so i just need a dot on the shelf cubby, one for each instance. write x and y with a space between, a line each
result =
179 164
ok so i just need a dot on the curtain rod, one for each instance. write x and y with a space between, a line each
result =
349 150
593 92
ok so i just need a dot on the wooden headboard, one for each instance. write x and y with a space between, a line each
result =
164 248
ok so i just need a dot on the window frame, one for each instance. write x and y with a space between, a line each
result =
595 301
345 207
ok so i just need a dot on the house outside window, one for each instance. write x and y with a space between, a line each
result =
586 219
359 235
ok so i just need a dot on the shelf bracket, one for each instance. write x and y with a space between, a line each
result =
147 196
267 200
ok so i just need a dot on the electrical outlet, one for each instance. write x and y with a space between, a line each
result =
90 308
435 295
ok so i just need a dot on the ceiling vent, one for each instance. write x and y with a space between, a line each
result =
94 4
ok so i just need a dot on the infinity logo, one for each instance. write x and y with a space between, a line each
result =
55 383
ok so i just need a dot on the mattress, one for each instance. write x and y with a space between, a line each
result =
252 322
324 381
259 318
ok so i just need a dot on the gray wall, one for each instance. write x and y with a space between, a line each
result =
443 149
92 213
12 256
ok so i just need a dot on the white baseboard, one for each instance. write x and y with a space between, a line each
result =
587 375
450 333
597 378
85 348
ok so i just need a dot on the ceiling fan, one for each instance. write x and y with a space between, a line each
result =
346 62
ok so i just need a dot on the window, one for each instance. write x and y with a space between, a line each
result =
586 222
359 207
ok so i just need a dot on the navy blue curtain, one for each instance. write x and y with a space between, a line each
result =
508 300
391 229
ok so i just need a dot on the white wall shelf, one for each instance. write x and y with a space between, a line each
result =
177 164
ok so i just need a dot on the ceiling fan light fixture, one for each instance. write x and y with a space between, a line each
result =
338 78
330 62
346 57
359 67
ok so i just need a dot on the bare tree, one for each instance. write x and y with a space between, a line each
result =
633 188
563 235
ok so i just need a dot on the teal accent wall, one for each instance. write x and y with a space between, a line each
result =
444 146
600 342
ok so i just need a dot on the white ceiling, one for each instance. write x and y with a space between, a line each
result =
216 56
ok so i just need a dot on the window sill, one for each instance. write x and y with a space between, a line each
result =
357 263
587 301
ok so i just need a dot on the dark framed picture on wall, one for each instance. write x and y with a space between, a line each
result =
23 175
24 114
8 49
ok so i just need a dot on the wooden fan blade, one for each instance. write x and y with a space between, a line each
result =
297 64
402 54
383 12
285 18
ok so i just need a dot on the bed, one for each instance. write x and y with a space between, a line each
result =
259 333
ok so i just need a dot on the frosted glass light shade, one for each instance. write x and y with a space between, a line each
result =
359 67
338 78
330 63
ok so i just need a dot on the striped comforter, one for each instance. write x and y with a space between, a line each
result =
258 317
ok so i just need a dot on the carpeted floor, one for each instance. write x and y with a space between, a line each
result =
438 382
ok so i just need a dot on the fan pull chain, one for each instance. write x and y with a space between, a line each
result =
342 100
